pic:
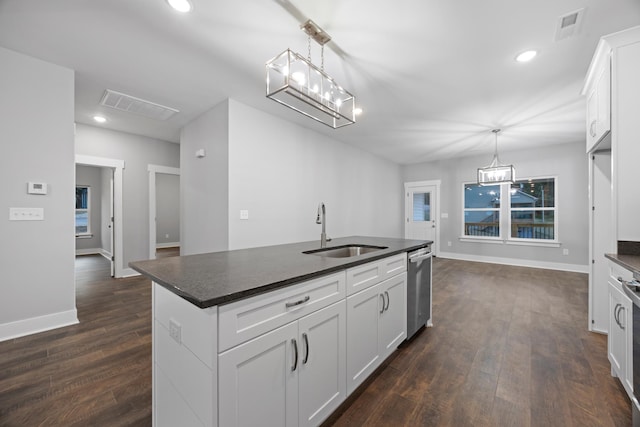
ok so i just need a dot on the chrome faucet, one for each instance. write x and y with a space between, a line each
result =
322 220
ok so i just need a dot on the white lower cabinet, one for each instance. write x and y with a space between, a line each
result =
294 375
620 340
376 325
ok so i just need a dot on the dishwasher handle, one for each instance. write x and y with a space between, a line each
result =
419 257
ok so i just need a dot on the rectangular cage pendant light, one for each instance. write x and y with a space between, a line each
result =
496 172
496 175
295 82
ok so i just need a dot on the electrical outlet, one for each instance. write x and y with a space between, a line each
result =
166 236
244 214
565 252
175 331
448 243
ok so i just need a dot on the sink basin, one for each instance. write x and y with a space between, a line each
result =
345 251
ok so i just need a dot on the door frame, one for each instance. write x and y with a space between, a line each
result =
116 243
408 186
608 242
153 170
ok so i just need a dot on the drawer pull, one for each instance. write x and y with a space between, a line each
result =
302 301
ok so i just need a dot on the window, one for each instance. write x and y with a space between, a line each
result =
421 207
532 209
83 206
528 214
482 210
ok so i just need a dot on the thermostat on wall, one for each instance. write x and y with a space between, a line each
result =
37 188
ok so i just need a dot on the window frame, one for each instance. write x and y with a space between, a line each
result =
505 217
499 210
88 233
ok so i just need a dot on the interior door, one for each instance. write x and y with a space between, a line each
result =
111 227
420 213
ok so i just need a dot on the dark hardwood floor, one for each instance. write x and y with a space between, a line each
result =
509 347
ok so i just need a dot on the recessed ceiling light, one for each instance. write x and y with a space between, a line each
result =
180 5
526 56
99 119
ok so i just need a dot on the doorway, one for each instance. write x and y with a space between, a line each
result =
164 211
422 212
114 223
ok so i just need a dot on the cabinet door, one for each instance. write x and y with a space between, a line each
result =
626 320
257 384
363 310
393 319
322 377
617 344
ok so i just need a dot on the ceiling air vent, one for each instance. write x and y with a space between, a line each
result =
569 25
131 104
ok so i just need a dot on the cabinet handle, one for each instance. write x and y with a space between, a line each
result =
620 321
306 346
388 300
302 301
592 130
616 311
295 353
382 310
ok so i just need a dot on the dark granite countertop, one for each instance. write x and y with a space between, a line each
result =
222 277
630 262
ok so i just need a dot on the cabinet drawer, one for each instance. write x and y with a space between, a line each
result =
616 271
246 319
363 276
394 265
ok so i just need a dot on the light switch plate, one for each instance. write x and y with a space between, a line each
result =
26 214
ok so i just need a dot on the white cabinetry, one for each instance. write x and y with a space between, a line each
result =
294 375
184 361
599 103
614 198
376 325
278 358
620 340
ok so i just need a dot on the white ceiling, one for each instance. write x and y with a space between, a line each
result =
432 76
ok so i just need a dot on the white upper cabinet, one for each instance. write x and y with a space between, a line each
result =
612 88
599 103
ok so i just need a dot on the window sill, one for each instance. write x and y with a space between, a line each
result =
522 242
84 236
470 239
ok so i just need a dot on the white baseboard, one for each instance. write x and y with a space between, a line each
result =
34 325
89 251
129 272
576 268
105 253
167 245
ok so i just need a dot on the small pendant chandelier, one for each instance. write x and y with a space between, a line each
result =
496 172
295 82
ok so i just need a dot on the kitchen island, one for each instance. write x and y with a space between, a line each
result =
273 335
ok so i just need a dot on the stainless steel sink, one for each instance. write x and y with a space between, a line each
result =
345 251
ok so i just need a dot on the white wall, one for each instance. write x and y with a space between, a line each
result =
167 209
280 171
204 183
36 119
137 152
568 162
91 177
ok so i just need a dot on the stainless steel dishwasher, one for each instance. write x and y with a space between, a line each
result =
418 290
